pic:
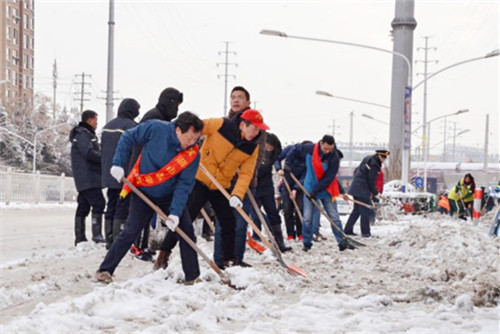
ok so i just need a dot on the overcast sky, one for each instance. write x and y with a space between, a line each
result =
165 43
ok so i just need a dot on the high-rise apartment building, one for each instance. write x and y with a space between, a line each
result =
17 25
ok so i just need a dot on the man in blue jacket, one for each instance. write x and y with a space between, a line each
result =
363 189
322 164
86 167
116 209
165 172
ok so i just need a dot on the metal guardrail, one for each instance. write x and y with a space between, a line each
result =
36 188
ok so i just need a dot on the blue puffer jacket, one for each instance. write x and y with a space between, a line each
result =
363 184
111 133
160 146
330 163
295 162
85 157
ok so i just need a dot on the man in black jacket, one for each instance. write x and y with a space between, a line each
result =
363 189
86 166
116 209
264 194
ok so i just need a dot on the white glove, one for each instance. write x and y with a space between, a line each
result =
234 202
172 222
117 172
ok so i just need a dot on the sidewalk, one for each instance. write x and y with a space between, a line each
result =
24 231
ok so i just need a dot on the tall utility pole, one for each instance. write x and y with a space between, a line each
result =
351 144
425 141
486 139
226 64
403 25
54 85
83 93
111 44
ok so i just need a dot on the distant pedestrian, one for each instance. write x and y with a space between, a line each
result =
86 167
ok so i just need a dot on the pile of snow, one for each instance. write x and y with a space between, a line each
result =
418 274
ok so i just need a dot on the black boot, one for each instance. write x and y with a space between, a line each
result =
108 232
278 236
80 230
97 228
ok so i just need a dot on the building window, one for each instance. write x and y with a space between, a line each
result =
14 36
26 42
26 21
14 78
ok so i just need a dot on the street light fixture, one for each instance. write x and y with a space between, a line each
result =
374 119
323 93
404 134
494 53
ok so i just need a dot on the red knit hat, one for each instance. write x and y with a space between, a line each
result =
254 117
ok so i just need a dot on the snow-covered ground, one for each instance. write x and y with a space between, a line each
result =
418 274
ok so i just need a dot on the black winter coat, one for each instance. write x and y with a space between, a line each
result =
111 133
85 157
363 184
265 184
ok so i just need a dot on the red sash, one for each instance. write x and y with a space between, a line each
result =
183 159
319 171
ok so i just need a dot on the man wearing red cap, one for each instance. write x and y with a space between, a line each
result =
230 146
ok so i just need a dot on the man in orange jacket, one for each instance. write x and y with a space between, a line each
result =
230 146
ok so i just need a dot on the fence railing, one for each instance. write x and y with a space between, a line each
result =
36 188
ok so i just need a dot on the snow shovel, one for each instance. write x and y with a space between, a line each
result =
161 214
292 269
350 198
296 206
262 220
253 244
345 238
207 219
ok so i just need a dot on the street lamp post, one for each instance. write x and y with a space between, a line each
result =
15 135
405 153
36 139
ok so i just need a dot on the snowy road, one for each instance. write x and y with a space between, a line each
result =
418 274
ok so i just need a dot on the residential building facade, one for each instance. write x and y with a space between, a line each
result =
17 25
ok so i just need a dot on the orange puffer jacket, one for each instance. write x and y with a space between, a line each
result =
225 152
